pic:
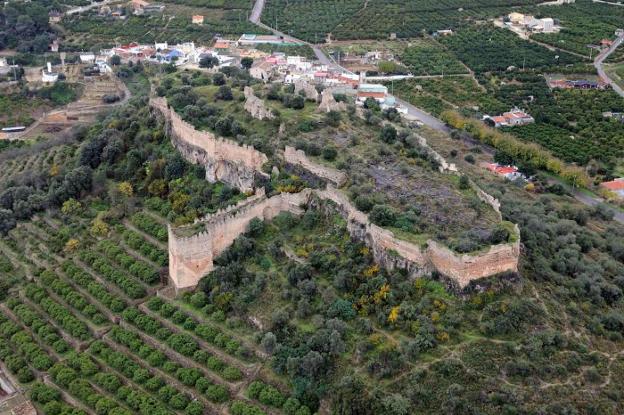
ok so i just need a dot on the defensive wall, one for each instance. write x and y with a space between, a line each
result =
191 257
298 158
224 160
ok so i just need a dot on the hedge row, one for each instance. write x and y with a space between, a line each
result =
72 297
15 340
182 343
156 385
149 225
41 328
136 267
191 377
97 290
209 333
151 251
57 312
129 286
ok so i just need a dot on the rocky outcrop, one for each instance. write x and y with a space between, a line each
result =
329 103
255 106
308 89
327 174
237 165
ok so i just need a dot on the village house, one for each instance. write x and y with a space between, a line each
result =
508 172
616 186
531 24
262 70
224 44
138 4
513 118
87 58
577 84
197 19
48 76
378 92
250 39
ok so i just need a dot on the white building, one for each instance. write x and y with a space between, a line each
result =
87 58
47 76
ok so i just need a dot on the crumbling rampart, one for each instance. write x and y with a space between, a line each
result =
190 258
329 103
224 160
308 89
298 158
255 106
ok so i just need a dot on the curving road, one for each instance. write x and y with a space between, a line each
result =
433 122
599 61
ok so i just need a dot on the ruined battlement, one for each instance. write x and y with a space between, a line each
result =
256 106
224 160
190 258
299 158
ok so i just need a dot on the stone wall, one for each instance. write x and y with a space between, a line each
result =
329 103
191 258
224 160
328 174
310 91
255 106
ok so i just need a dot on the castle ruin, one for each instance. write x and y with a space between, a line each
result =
192 257
255 106
329 103
224 160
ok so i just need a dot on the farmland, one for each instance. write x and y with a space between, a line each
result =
23 107
584 23
486 48
297 316
174 25
84 329
351 19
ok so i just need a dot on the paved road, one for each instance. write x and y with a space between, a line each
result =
426 118
598 63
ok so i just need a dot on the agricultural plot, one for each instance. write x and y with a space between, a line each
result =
431 59
438 95
23 108
584 23
173 26
82 326
487 48
351 19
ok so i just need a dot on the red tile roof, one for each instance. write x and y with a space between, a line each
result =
362 94
502 170
617 184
